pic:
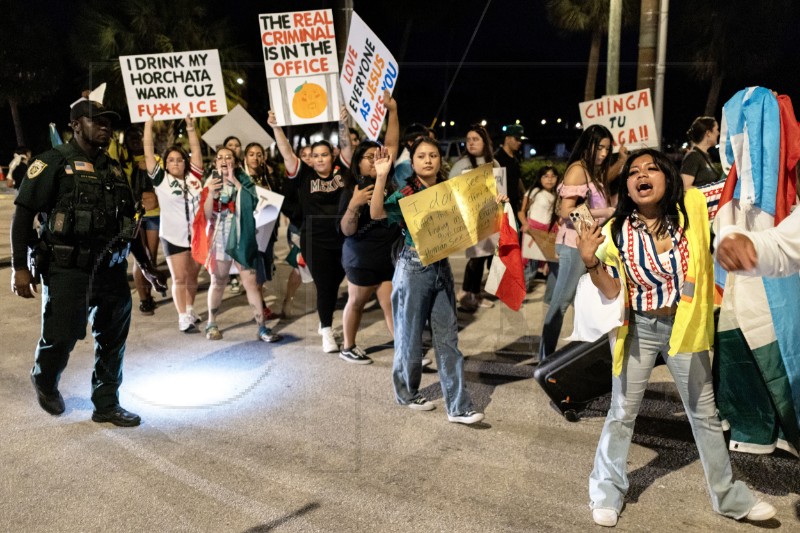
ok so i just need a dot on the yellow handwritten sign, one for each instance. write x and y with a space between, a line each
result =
453 215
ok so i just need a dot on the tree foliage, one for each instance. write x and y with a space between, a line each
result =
149 27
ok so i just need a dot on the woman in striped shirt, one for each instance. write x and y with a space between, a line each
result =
656 250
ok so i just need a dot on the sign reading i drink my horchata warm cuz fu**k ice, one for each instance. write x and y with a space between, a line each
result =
173 85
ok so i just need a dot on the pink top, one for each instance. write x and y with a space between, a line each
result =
566 232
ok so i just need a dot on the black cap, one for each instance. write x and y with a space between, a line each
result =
90 109
516 131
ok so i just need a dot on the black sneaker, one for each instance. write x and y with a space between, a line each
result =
147 307
421 404
355 355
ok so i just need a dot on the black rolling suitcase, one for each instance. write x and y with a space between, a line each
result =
575 375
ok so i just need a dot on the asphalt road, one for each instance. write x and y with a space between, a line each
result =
242 436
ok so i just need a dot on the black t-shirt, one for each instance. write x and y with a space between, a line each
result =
513 177
370 247
698 164
319 200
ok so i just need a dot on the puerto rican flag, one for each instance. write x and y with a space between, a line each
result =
506 278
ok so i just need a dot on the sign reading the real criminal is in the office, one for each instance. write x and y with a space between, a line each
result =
302 67
369 69
173 85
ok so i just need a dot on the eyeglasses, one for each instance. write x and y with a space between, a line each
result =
225 157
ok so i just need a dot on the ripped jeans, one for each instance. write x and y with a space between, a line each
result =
608 482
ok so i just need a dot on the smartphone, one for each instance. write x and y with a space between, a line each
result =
581 216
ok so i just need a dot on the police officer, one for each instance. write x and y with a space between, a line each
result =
88 223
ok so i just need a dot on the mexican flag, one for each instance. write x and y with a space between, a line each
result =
757 345
506 277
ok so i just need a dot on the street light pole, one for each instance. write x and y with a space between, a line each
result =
658 104
614 31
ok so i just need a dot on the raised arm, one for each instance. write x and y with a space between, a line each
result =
383 164
149 146
392 138
345 148
289 159
194 143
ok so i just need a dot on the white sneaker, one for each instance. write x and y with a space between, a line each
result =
185 322
329 344
605 517
421 404
193 315
760 512
470 417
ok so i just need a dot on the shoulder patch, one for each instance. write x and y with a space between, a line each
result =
36 168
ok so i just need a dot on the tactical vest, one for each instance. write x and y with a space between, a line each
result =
94 220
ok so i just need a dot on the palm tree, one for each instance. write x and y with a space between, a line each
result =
587 16
145 27
735 39
30 67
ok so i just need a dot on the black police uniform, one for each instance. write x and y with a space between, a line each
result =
86 236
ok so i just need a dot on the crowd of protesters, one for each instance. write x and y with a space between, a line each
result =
649 243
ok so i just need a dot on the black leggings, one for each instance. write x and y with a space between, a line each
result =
473 273
326 268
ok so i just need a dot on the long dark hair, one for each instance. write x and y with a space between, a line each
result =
183 154
699 128
669 206
537 182
440 175
352 177
585 153
487 146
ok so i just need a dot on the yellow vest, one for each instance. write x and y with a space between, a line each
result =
693 328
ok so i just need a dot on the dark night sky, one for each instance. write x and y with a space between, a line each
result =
519 67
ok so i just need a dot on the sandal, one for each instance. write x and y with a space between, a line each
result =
213 333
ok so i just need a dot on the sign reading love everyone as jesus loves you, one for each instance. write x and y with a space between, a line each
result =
369 69
172 85
302 66
453 215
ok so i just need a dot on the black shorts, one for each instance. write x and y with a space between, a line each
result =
369 277
172 249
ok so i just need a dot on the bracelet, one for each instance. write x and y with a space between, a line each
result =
594 266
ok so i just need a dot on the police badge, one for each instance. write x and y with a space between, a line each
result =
36 168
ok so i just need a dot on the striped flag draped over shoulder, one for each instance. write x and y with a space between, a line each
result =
757 345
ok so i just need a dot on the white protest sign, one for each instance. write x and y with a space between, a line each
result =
302 66
369 68
266 214
173 85
241 124
629 116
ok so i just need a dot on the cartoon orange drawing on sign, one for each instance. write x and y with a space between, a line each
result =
309 101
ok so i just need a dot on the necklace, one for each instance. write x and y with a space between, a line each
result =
659 228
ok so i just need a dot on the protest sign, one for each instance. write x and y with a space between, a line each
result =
369 69
241 124
541 246
302 67
173 85
453 215
266 214
629 116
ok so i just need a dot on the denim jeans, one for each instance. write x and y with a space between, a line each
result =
608 482
570 270
421 293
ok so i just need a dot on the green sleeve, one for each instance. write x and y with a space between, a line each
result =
392 207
